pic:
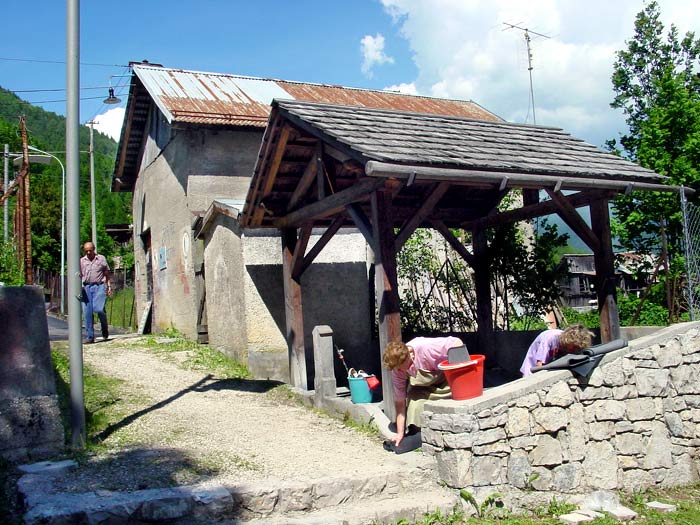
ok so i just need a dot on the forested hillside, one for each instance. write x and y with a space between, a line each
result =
46 131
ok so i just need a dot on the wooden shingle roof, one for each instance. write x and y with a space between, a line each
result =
454 142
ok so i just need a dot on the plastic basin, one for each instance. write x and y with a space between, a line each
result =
359 390
466 379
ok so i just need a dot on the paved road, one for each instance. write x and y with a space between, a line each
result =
58 329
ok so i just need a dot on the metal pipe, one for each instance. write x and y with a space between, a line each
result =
92 186
77 401
375 168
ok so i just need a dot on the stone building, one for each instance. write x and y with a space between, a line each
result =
187 151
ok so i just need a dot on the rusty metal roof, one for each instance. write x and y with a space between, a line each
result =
221 99
195 98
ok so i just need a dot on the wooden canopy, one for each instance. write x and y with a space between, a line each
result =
385 171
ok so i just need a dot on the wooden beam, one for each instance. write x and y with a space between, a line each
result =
330 205
530 197
571 217
362 223
531 179
253 204
454 242
269 180
293 312
606 281
425 209
320 244
306 179
386 288
300 250
537 210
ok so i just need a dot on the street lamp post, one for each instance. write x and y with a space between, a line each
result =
63 223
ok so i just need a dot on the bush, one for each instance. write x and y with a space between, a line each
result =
11 269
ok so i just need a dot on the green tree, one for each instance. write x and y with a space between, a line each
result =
11 269
47 131
658 89
527 273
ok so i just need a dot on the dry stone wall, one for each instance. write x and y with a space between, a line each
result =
634 424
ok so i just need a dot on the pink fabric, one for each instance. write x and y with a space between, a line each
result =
428 353
93 271
542 349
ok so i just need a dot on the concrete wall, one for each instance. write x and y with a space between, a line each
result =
30 421
182 171
245 297
634 424
226 305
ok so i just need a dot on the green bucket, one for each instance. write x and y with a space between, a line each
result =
359 390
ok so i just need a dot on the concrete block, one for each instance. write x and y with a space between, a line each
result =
49 467
661 507
574 518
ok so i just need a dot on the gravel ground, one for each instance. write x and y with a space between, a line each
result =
188 427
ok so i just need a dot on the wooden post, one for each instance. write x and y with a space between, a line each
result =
293 312
605 272
482 287
386 288
24 236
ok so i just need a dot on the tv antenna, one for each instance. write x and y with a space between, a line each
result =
526 33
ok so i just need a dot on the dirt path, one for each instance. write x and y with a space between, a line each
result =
187 427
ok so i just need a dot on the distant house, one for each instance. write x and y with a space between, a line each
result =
187 151
632 273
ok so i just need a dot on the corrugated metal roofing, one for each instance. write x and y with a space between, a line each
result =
220 99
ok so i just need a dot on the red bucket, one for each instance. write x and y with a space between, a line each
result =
466 379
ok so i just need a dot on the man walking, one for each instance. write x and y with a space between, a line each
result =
96 287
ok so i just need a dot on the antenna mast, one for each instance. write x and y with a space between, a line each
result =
527 32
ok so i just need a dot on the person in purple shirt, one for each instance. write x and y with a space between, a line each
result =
554 343
416 377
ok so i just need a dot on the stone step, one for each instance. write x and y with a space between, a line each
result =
206 503
411 506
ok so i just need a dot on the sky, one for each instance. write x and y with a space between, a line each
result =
460 49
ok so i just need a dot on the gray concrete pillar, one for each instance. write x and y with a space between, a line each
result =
324 378
30 421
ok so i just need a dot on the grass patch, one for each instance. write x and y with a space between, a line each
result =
120 308
367 428
686 498
199 357
284 395
107 400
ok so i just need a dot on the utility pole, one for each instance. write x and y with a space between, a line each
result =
24 212
6 181
529 61
93 212
77 394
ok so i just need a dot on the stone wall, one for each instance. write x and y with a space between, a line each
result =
634 424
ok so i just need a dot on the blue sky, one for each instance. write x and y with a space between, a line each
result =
448 48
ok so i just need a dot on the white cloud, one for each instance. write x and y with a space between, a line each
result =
406 89
373 54
110 122
463 49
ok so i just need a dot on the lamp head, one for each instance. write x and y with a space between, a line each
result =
111 99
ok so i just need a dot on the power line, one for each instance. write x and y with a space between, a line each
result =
49 90
25 102
59 62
